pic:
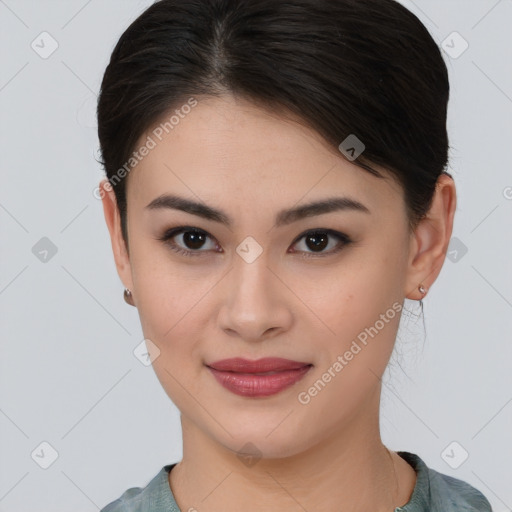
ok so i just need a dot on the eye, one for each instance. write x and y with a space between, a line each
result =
319 239
189 240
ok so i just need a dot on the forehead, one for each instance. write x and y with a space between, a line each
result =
230 148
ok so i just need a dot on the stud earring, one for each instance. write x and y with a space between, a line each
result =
128 297
422 290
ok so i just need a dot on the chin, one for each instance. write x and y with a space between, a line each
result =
262 441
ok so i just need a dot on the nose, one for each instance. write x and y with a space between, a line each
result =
256 304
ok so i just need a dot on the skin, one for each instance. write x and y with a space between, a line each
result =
251 163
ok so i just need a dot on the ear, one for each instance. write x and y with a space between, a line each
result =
430 240
113 220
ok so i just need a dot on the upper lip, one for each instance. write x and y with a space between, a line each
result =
266 364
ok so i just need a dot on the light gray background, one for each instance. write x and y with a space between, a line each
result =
68 374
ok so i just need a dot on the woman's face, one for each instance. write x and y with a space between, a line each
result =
260 286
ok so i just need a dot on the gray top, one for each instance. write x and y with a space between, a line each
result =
433 492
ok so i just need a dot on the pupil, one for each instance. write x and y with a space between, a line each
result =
319 241
193 239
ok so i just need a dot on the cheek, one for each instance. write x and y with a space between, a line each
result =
168 301
171 317
353 295
361 306
170 313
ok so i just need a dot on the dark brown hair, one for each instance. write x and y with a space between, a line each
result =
363 67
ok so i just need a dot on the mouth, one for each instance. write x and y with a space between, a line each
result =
259 378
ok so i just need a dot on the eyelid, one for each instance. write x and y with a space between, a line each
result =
327 231
172 232
344 240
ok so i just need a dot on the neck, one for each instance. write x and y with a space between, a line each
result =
350 469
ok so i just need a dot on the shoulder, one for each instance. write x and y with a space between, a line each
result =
443 493
155 496
457 494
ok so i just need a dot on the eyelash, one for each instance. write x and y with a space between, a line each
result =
171 233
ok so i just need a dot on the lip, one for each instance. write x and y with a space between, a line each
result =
258 378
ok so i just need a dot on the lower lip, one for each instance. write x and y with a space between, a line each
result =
251 385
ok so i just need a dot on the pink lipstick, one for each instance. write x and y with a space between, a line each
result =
263 377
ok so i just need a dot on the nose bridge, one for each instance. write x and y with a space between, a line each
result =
251 280
253 304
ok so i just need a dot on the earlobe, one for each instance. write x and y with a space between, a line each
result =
112 219
430 240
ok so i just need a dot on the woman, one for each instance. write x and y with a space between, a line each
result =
276 189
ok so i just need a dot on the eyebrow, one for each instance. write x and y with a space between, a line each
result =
284 217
